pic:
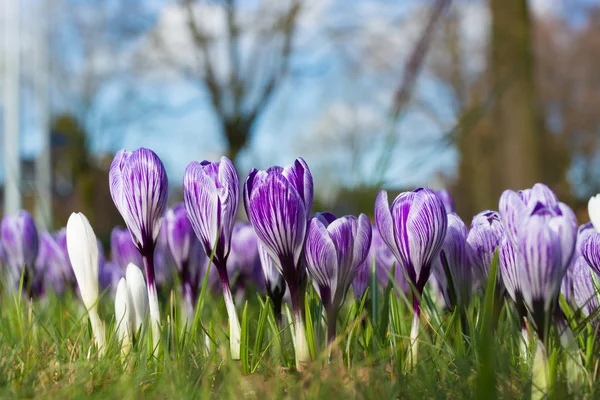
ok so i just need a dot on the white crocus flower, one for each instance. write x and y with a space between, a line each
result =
82 247
594 211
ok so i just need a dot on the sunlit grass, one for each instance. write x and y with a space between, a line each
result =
47 351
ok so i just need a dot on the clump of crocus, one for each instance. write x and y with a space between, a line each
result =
534 258
335 249
188 254
82 246
454 260
122 250
20 237
414 228
131 306
211 196
278 202
139 189
542 233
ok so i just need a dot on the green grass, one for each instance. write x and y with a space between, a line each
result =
45 353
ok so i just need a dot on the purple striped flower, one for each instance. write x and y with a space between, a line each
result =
567 289
211 195
414 228
591 251
446 198
335 249
139 188
20 237
278 203
53 262
123 250
542 232
188 254
244 266
584 292
274 282
484 238
384 262
457 254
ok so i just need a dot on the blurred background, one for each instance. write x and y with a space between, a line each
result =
473 95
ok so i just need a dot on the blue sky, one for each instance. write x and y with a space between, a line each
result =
283 130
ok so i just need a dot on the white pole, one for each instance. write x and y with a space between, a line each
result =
43 167
12 161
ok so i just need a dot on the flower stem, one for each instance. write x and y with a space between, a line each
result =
301 344
414 333
540 374
235 331
97 328
152 298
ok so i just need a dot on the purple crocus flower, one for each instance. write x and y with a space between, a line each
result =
188 254
334 250
414 228
139 188
211 195
446 198
566 288
3 257
384 260
123 250
243 266
484 238
20 237
278 202
457 253
591 251
53 262
584 292
542 233
274 282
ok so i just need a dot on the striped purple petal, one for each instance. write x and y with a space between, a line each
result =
122 248
300 177
446 198
458 256
139 188
584 292
274 282
20 237
591 251
509 269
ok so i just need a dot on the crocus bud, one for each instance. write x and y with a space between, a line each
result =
20 237
457 253
211 196
414 228
274 282
188 254
123 315
243 265
123 250
82 246
57 265
484 238
542 232
594 211
566 288
446 198
334 251
278 203
584 291
591 252
140 188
